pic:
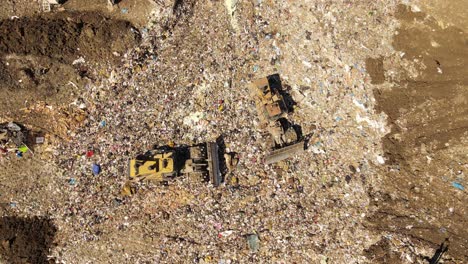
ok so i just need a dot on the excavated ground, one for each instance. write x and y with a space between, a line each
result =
65 36
49 59
426 150
26 240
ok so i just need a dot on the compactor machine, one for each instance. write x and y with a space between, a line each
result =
273 111
165 163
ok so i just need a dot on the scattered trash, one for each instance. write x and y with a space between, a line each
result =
13 134
253 242
13 127
231 6
78 61
40 140
12 204
458 186
380 159
348 179
225 233
23 149
193 119
72 181
189 93
96 169
117 202
324 260
89 153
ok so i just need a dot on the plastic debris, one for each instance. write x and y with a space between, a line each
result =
253 242
23 148
80 60
40 140
225 233
72 181
96 169
89 153
458 186
13 127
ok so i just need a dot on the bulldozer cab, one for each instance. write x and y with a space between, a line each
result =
273 111
270 102
154 167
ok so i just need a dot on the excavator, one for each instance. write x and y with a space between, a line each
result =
272 109
165 163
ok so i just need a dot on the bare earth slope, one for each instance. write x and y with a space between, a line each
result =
427 109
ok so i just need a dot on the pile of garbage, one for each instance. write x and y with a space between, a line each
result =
188 84
13 139
181 87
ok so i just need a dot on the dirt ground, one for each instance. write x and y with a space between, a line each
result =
26 240
426 149
382 87
48 60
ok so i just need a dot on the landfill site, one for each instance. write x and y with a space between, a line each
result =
233 131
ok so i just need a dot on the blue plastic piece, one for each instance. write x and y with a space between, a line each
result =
96 169
458 186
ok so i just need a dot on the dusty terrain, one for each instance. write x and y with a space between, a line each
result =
426 149
381 88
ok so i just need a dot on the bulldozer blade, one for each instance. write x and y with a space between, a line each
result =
213 164
284 153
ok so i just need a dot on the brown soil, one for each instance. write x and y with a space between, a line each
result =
66 36
375 69
381 252
426 149
137 11
9 8
36 56
25 240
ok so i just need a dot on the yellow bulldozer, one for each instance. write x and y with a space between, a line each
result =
165 163
273 110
